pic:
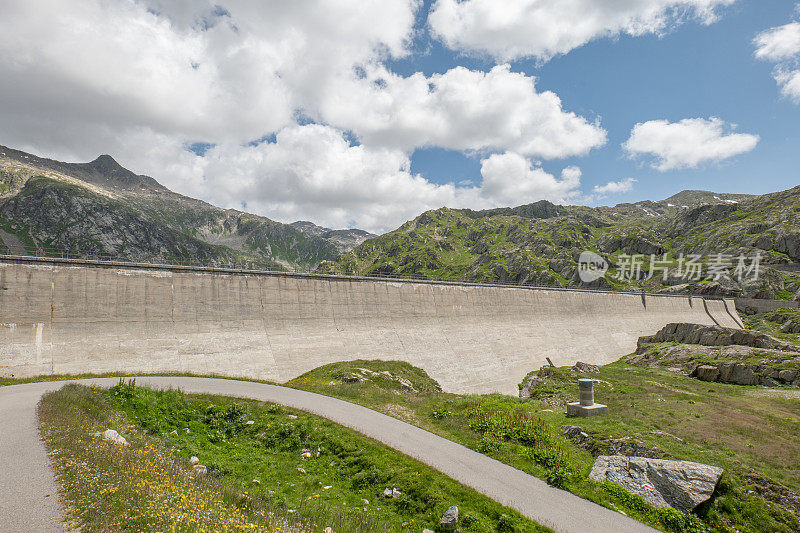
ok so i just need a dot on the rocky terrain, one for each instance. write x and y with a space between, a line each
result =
103 209
540 244
344 239
713 353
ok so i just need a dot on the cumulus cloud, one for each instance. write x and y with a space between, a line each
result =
781 45
511 179
144 79
615 187
461 109
185 68
514 29
687 143
315 172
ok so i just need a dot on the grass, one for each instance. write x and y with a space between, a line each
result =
141 487
752 436
268 466
717 424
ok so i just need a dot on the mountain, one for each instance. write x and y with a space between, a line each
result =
344 239
540 244
100 208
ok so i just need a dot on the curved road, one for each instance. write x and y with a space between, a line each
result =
29 494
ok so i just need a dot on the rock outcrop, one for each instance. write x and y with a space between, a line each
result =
541 377
627 446
713 353
682 485
715 336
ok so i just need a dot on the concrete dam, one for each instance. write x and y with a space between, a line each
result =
70 317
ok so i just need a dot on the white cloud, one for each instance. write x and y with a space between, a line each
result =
781 45
184 68
510 179
789 80
687 143
312 172
513 29
615 187
141 79
461 110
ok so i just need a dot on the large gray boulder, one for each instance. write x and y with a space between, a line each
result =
682 485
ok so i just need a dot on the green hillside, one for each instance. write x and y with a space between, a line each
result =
540 244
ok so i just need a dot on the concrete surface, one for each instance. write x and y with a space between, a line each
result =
596 409
62 318
27 478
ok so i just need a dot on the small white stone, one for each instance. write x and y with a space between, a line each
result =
292 416
366 501
301 470
251 422
327 530
188 430
193 460
173 432
326 487
199 470
116 438
256 481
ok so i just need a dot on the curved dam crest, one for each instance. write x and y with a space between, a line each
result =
70 317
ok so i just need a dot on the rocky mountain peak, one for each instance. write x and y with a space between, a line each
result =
106 163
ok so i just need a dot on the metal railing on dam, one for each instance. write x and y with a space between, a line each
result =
66 316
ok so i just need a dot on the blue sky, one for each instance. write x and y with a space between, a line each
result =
692 71
367 113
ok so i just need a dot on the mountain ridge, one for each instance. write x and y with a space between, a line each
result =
101 208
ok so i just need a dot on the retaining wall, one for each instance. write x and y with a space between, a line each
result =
61 318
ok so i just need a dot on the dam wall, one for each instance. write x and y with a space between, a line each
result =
69 317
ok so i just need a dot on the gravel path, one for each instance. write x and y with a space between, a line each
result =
28 493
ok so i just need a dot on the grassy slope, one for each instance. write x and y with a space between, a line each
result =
505 246
329 489
723 425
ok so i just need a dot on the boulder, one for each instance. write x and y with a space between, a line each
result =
585 368
449 519
199 470
787 375
738 373
116 438
705 373
682 485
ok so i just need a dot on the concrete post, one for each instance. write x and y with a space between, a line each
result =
586 391
586 405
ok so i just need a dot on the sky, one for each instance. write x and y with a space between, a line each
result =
365 113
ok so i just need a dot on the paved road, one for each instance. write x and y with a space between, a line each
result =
28 500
